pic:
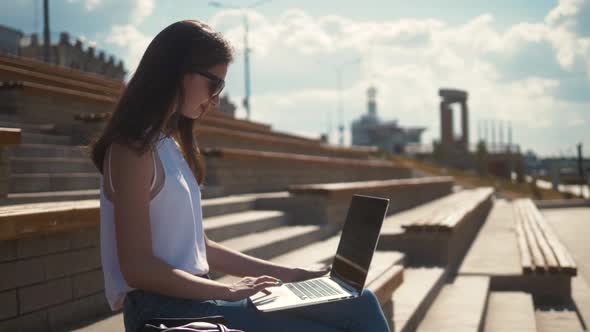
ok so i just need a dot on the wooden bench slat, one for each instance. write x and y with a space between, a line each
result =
447 217
566 262
10 136
538 259
433 218
525 255
26 220
551 262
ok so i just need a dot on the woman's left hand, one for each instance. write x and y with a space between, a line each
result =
300 274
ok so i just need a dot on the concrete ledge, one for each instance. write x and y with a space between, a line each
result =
211 137
368 186
26 220
328 203
10 136
59 71
37 88
243 154
440 247
553 289
236 171
14 73
561 203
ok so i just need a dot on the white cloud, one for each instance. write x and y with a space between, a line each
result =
141 9
132 40
90 5
409 60
565 9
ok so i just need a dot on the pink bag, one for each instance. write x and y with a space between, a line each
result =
203 324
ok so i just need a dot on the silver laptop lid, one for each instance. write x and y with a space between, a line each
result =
359 238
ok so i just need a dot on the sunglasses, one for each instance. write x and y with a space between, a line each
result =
216 84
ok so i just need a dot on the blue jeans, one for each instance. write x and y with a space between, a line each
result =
359 314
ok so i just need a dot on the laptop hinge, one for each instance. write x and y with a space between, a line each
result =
344 285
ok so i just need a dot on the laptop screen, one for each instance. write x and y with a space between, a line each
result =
359 239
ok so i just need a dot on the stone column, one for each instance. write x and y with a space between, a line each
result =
465 125
446 124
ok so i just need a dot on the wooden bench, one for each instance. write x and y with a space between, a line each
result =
328 203
438 233
540 249
26 220
449 216
10 136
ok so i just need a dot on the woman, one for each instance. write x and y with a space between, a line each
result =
155 255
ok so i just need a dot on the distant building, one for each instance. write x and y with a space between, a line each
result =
72 55
9 40
370 131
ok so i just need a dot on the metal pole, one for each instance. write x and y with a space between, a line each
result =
246 68
46 36
581 170
340 120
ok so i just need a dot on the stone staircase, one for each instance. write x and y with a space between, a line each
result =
47 167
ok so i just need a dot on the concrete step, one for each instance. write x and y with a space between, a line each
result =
510 311
278 241
225 205
52 196
51 165
317 254
558 319
47 150
43 182
376 280
485 256
228 226
460 306
27 137
413 298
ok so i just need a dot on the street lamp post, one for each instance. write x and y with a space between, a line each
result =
247 90
339 69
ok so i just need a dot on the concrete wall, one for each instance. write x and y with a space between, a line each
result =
227 176
51 281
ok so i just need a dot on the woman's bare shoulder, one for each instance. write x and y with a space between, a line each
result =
130 168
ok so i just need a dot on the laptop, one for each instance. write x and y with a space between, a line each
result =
349 268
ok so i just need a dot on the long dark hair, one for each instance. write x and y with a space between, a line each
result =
151 101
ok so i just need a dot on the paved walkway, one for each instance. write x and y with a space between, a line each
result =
494 251
572 225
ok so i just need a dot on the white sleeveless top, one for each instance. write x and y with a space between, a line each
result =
175 218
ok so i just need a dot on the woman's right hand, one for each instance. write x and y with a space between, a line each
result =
249 286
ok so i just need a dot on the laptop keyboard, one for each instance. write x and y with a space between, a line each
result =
311 289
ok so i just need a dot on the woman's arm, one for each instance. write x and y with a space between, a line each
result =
229 261
131 174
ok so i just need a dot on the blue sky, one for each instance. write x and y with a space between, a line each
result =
527 62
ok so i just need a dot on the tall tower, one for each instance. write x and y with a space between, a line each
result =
372 102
